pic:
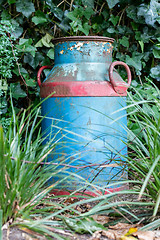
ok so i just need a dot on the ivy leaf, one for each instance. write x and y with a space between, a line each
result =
124 41
64 25
132 13
85 28
76 13
134 26
58 13
31 82
50 53
88 12
17 32
85 225
77 24
114 19
141 43
3 104
11 1
45 41
17 91
135 62
156 53
25 46
111 29
23 71
33 61
149 13
105 14
71 16
25 7
112 3
155 73
39 20
89 3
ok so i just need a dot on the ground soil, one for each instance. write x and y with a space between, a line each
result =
13 233
17 234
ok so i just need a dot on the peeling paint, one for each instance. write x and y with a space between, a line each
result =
71 48
61 52
79 45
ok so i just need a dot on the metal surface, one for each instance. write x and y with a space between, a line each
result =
119 86
81 89
85 93
87 133
83 38
39 73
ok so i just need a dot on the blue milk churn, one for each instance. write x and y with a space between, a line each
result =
83 94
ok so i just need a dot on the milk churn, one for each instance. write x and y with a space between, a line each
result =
84 94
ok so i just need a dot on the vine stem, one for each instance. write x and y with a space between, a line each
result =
122 15
19 69
17 63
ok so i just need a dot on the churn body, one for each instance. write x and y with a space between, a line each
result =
83 95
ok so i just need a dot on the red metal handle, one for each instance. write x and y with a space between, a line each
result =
39 73
119 87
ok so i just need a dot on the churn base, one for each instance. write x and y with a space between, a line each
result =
61 192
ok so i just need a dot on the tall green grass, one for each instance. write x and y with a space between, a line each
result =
23 181
144 143
24 188
1 214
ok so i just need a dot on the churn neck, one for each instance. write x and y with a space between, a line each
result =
81 49
83 38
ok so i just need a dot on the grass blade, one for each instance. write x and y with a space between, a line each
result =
1 216
148 176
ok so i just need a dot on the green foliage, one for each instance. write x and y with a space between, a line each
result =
23 182
33 25
144 141
84 225
80 17
25 7
1 214
7 56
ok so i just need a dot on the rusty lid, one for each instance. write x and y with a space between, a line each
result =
83 38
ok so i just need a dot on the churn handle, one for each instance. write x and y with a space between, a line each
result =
39 73
118 86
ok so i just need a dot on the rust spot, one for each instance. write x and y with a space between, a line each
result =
89 121
72 105
57 100
61 52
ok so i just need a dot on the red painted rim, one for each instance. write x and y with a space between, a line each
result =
79 89
59 192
